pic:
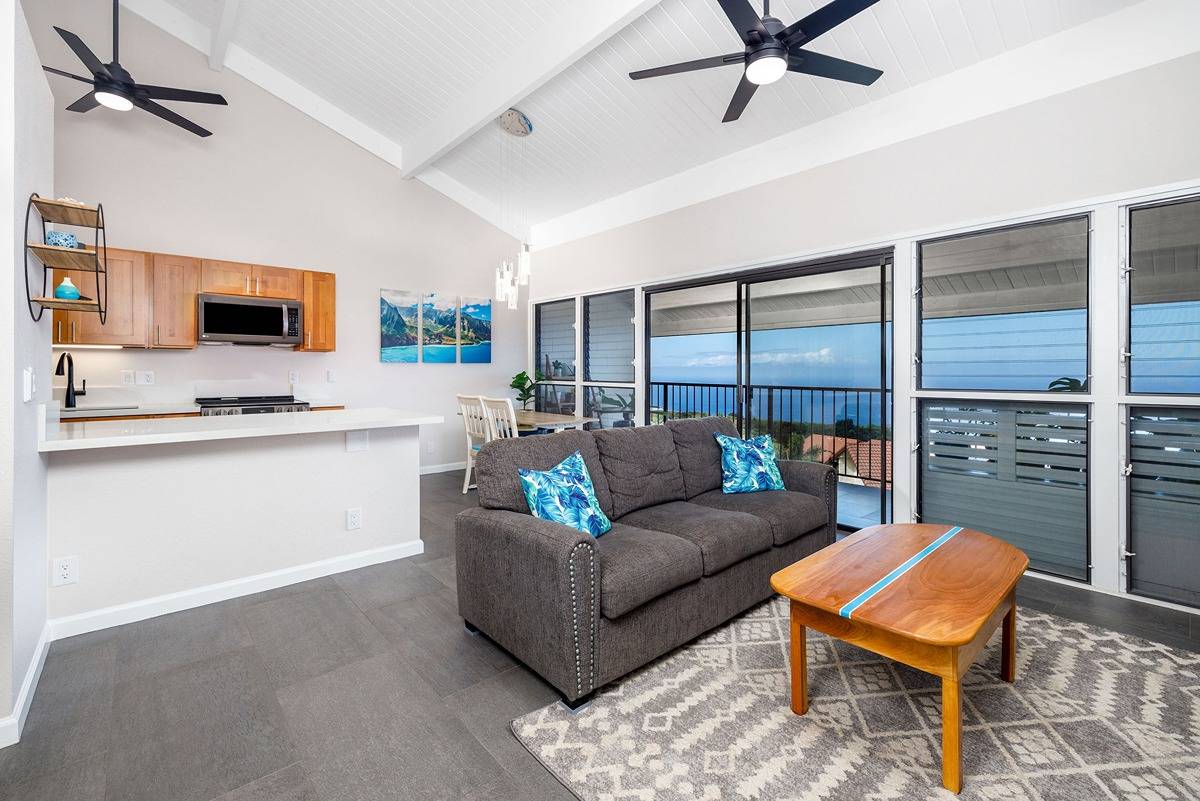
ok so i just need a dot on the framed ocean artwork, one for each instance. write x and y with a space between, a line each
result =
399 326
439 329
475 331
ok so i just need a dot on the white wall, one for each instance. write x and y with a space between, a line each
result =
174 526
26 120
271 186
1123 134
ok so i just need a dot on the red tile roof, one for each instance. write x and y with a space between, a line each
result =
869 456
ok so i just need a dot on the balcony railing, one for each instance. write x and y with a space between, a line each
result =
847 427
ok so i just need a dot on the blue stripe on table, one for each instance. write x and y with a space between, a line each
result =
909 564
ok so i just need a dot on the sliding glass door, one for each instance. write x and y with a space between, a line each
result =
802 354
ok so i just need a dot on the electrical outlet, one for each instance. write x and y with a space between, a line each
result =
329 376
354 518
66 571
293 376
127 378
145 377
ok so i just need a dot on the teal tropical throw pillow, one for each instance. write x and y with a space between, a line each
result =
564 494
748 465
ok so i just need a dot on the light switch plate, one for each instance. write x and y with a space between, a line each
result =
27 384
293 376
127 378
329 376
145 377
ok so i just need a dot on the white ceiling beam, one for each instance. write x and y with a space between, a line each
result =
241 61
222 33
577 31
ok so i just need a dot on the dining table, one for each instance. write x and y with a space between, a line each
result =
532 421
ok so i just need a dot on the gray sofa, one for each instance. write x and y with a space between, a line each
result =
681 558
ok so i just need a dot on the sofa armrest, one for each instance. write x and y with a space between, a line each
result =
813 478
533 586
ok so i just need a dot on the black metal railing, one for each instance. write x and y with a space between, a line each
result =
848 427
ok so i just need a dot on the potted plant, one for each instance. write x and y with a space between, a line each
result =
556 369
524 385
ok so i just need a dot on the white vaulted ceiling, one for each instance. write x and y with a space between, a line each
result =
426 76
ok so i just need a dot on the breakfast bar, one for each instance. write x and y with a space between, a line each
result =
160 515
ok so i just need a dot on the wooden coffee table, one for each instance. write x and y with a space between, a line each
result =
927 595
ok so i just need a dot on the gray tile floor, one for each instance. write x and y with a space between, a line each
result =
358 686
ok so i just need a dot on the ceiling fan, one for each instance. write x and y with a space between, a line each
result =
115 88
772 50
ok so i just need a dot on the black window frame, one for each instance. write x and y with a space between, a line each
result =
537 341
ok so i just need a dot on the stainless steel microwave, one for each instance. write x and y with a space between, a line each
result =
241 320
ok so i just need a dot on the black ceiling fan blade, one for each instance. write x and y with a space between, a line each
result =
185 95
689 66
68 75
741 98
83 53
170 116
824 66
822 21
744 18
85 103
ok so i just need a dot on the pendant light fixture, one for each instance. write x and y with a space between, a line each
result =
513 273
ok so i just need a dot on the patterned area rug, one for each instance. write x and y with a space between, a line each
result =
1093 715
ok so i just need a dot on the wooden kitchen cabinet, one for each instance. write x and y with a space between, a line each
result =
277 282
175 281
320 312
256 280
226 277
126 306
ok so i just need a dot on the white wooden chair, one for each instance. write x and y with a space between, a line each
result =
479 431
502 417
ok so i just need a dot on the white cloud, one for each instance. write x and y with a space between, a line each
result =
821 356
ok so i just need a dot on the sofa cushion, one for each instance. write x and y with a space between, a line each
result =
789 513
496 464
724 537
640 465
699 453
638 565
748 465
564 494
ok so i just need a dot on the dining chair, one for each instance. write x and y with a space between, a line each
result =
502 417
479 431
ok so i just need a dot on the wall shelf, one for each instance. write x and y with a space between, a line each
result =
60 211
88 259
82 304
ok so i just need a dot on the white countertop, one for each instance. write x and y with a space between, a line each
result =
82 410
117 433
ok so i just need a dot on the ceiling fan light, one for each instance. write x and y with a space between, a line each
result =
765 66
113 100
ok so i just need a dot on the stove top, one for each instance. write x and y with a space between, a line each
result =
250 404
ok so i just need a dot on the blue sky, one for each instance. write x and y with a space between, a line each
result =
481 310
999 351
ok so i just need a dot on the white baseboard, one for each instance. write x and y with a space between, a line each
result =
426 469
11 726
71 625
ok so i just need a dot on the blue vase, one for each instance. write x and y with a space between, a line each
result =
66 290
61 239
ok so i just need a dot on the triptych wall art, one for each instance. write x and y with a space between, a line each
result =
432 328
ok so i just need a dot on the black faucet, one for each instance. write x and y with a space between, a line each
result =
71 393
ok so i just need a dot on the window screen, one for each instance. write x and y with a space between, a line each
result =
555 333
608 337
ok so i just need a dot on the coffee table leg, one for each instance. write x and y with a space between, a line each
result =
952 735
1008 653
799 665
